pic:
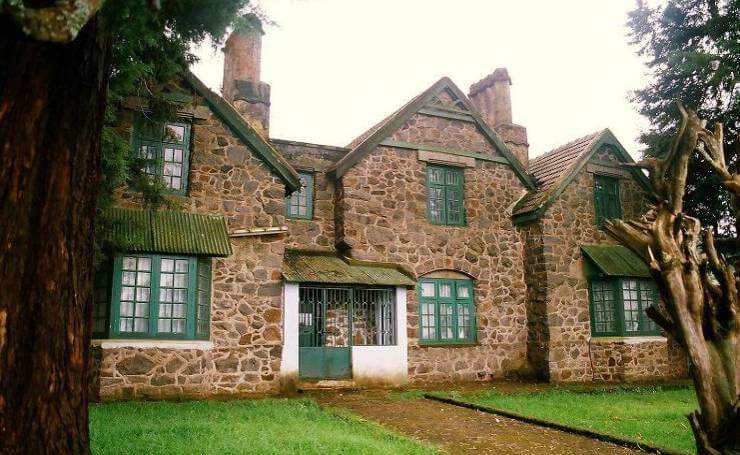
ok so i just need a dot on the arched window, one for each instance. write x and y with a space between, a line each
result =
446 308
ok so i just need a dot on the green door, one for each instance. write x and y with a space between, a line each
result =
325 327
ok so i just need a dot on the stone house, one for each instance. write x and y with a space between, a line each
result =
431 248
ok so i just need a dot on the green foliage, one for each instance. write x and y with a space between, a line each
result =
149 49
649 414
267 426
693 51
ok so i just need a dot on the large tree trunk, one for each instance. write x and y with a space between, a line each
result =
699 289
52 101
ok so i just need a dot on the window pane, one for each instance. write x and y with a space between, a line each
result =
603 300
647 299
631 305
427 289
173 295
436 175
445 322
174 133
445 195
299 203
436 204
463 292
463 320
445 290
428 321
135 295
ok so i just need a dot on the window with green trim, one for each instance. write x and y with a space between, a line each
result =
606 199
164 151
154 296
445 195
446 311
300 203
618 307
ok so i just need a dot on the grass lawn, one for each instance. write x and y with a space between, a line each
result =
650 414
265 426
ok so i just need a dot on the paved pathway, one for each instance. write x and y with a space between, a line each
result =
459 430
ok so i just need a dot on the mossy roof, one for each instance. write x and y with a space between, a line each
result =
326 267
166 231
616 260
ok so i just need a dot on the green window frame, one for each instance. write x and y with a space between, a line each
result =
446 195
158 296
607 205
164 151
446 311
617 307
299 205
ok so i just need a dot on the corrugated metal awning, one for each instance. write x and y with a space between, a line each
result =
616 260
167 231
320 267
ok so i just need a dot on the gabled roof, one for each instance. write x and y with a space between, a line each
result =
555 169
166 231
367 142
248 135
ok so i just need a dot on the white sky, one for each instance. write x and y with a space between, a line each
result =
336 67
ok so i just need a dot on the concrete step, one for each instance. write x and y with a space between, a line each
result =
323 384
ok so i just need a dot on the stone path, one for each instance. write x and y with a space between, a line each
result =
460 430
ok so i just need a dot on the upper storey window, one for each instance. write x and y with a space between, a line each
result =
606 199
164 149
300 203
445 195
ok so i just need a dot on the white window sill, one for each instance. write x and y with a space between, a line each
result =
162 344
629 340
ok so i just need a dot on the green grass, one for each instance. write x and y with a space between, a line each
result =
265 426
653 415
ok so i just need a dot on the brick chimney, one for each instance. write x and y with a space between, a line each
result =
242 86
492 96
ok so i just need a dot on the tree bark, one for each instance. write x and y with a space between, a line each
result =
52 101
699 289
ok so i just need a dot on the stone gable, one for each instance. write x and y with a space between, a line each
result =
559 302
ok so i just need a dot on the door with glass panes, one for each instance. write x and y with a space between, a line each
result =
332 319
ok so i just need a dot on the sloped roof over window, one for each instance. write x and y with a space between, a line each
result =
168 231
248 135
373 137
320 267
616 260
555 169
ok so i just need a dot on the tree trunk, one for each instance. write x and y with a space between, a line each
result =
52 101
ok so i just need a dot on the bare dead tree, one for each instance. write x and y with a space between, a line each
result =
699 290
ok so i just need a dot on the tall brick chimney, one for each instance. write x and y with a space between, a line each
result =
492 96
242 86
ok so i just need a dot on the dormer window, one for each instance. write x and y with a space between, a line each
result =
164 150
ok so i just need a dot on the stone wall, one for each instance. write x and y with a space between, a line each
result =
566 225
226 179
318 232
383 217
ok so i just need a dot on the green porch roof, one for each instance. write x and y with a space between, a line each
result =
167 231
616 260
320 267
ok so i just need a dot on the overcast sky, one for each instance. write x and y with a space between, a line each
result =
336 67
